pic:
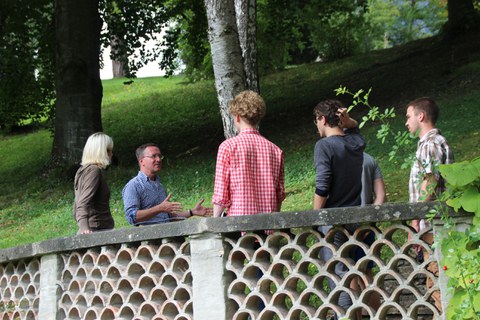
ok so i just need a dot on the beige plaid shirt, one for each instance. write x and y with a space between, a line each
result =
432 151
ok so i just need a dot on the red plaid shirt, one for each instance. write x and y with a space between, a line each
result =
249 176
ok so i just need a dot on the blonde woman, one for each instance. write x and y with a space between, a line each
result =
91 208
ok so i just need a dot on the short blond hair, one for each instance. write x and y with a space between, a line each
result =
96 150
249 105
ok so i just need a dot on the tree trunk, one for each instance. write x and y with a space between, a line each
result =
119 63
461 16
226 57
246 12
78 85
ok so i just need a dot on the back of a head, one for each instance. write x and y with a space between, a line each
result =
249 105
427 106
328 109
96 150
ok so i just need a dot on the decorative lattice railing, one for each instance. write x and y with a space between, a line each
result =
206 269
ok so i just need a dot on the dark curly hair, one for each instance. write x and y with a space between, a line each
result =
328 109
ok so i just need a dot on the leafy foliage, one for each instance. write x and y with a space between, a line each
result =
26 61
461 249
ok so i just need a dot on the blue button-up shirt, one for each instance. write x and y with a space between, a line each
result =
143 193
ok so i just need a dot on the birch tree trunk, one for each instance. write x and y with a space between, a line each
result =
226 57
246 13
78 85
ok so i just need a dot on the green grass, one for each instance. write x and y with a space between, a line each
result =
184 119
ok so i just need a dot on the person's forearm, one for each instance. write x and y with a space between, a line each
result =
427 188
147 214
379 190
319 202
217 210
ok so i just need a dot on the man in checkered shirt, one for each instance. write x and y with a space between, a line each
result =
249 174
426 183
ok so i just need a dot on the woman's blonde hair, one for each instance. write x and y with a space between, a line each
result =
96 150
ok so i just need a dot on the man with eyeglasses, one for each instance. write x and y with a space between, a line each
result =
144 197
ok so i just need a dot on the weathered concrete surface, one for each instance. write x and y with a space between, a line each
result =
282 220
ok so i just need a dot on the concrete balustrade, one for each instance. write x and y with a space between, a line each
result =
204 268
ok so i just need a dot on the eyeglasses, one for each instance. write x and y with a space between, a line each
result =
154 156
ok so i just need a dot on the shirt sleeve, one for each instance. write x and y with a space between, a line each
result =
323 168
221 194
281 183
87 185
131 202
430 157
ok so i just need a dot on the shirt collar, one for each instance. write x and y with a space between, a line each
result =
249 131
144 177
429 134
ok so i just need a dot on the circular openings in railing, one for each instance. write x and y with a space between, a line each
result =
309 299
144 254
146 283
276 241
96 274
159 296
33 266
238 291
9 270
75 313
20 268
166 253
181 295
66 276
169 282
98 302
90 287
24 303
30 315
238 258
384 250
7 294
267 314
91 314
283 301
124 256
263 258
300 312
80 301
267 286
124 286
116 300
73 261
295 284
18 293
180 265
113 274
156 268
107 314
106 287
147 311
88 261
185 248
136 298
306 239
14 280
387 280
170 309
322 283
3 282
106 258
127 312
391 309
398 234
280 271
135 270
66 300
307 268
249 241
255 302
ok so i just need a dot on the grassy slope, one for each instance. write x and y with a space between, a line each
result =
184 119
